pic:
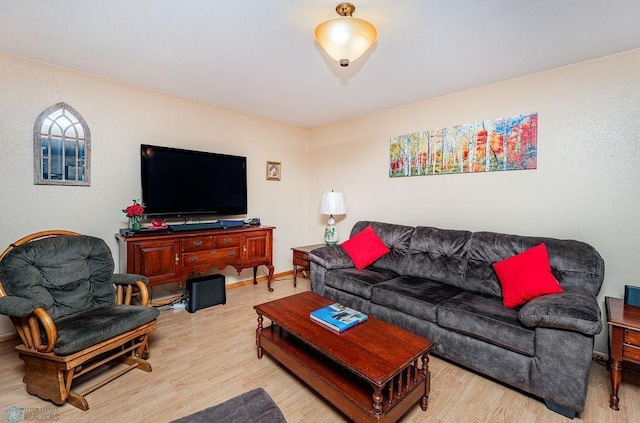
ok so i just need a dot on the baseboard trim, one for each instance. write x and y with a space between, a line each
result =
259 280
8 337
597 355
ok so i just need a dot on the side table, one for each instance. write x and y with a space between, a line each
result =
624 321
301 259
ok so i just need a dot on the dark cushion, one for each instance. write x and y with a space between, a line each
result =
17 306
485 317
252 407
364 248
438 254
415 296
575 309
357 282
66 274
128 278
90 327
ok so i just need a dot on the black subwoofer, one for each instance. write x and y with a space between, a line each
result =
205 291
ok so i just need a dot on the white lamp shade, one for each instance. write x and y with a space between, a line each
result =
346 38
333 203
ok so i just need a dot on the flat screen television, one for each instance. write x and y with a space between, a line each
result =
180 183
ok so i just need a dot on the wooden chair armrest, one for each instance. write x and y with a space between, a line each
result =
144 293
49 328
124 293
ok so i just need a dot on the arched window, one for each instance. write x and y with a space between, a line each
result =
61 147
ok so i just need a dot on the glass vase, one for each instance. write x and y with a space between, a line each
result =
134 223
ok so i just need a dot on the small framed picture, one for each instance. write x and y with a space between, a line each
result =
274 171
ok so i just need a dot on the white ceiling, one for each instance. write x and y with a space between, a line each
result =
260 57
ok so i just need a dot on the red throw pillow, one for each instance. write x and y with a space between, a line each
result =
365 247
526 276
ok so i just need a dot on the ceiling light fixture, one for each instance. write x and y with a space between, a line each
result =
346 38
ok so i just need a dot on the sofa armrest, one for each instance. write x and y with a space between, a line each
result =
17 306
331 257
128 279
574 309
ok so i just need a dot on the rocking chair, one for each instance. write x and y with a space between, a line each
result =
72 313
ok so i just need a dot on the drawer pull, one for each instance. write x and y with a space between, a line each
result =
228 240
193 259
231 253
197 243
213 252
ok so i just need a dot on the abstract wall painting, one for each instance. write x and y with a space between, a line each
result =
491 145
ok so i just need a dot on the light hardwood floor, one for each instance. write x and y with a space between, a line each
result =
202 359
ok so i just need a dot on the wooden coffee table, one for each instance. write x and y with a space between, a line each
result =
372 372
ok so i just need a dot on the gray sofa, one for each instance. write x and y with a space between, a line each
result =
441 284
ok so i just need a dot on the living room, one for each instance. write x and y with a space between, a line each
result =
584 187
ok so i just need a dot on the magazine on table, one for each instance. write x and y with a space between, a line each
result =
338 317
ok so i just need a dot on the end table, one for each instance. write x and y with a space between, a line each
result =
625 341
301 258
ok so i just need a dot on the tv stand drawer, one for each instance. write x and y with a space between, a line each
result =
200 243
221 256
223 241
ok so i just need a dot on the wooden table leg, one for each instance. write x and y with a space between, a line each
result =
270 267
258 333
616 378
424 403
616 365
377 401
295 274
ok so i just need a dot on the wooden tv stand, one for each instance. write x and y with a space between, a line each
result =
172 256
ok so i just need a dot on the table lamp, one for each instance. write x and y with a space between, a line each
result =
332 204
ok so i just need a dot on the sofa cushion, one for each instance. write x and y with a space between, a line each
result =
357 282
364 248
526 276
396 237
485 317
415 296
438 254
90 327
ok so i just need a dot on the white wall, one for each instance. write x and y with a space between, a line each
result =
585 186
121 117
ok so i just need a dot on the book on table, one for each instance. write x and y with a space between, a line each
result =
338 317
